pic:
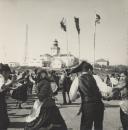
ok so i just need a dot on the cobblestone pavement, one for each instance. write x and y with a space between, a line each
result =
17 116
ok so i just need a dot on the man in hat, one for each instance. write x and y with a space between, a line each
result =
92 107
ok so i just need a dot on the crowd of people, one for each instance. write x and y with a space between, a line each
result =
77 82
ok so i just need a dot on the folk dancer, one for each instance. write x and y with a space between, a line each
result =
92 107
45 114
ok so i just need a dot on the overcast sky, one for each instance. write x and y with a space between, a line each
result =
43 18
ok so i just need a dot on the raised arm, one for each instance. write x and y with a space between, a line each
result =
74 89
5 85
121 85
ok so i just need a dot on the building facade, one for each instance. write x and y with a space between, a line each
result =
102 62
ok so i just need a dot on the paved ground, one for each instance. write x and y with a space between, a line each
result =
17 116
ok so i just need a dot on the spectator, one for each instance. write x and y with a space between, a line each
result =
113 80
123 87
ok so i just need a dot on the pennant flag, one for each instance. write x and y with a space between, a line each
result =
63 24
97 18
77 24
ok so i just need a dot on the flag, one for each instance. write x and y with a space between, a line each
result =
97 18
63 24
77 24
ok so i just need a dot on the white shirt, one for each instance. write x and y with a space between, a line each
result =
102 85
2 81
124 106
74 89
114 81
35 111
75 84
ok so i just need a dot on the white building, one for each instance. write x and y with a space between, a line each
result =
102 62
55 49
35 62
46 60
57 64
46 57
55 60
68 60
13 64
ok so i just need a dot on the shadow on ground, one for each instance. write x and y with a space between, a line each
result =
110 105
17 125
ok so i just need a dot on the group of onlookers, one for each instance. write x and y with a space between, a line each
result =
113 80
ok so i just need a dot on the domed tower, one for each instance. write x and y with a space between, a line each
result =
55 49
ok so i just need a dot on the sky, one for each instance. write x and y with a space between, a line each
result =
43 18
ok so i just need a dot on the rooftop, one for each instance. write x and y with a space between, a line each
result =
101 60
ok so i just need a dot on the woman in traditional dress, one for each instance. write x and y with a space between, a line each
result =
20 90
45 114
5 84
123 87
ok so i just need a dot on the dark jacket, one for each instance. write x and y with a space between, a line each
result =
4 120
44 89
66 83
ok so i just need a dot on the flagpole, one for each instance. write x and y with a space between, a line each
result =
26 46
63 26
79 46
67 48
94 45
67 43
78 31
97 20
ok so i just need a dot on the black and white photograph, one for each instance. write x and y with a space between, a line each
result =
63 64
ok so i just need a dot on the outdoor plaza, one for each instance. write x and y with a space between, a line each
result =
111 115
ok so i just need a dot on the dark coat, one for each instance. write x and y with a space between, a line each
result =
4 120
66 84
20 93
44 89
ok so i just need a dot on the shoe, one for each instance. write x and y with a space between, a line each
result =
65 103
69 102
19 107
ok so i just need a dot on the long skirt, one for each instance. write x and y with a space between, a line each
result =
48 119
4 120
20 93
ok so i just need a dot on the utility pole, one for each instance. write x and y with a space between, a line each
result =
94 45
79 46
67 49
78 31
26 46
97 21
